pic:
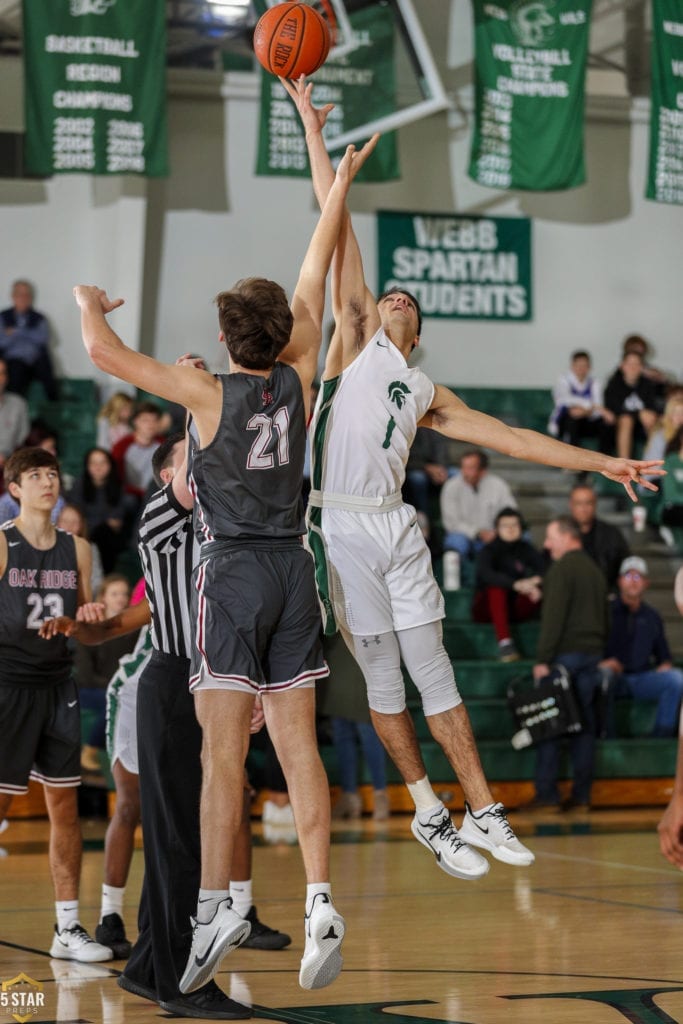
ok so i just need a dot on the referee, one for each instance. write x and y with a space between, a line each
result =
169 746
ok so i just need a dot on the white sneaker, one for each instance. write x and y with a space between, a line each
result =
210 943
322 960
452 853
74 943
492 831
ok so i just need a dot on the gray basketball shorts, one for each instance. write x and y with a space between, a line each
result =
41 736
257 621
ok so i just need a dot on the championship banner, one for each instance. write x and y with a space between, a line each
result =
361 86
95 86
459 268
665 176
530 71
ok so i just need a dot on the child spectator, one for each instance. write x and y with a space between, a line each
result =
113 420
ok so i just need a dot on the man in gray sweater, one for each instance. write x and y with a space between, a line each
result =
574 627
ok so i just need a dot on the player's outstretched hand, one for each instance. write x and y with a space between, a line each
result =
312 118
89 295
189 360
62 625
91 611
631 471
670 831
353 160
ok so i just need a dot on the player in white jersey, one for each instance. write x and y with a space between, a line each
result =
373 568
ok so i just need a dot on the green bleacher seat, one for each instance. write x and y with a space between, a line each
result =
523 407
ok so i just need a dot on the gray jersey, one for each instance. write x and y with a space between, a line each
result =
36 585
247 481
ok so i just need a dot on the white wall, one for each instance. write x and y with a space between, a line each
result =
606 262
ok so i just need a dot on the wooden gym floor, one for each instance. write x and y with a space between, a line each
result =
591 934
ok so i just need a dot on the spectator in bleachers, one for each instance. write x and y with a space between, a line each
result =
14 419
24 343
638 654
133 453
113 420
470 503
579 410
604 542
99 493
670 827
660 379
573 634
671 509
509 581
343 697
72 520
665 428
632 399
426 471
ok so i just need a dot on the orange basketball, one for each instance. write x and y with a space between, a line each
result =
291 39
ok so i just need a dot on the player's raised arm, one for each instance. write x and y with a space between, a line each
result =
450 416
308 301
192 387
353 304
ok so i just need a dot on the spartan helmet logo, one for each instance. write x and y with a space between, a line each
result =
532 22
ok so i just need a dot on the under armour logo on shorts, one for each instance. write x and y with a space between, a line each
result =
366 642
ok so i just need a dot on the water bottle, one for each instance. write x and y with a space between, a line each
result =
451 570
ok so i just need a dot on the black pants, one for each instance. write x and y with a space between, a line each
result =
169 749
573 431
20 375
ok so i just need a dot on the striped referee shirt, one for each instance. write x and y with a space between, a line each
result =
168 552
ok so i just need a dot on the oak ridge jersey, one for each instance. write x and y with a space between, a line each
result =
36 585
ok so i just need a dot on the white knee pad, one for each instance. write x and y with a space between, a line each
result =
429 666
379 659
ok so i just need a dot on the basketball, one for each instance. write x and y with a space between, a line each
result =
291 39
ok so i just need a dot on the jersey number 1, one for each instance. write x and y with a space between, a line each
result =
259 457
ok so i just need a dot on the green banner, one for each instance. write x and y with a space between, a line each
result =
530 70
665 176
460 268
95 86
361 86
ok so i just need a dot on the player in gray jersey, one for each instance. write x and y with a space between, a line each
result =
43 572
368 546
257 620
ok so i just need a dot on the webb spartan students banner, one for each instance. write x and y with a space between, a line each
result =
665 178
95 86
530 70
465 268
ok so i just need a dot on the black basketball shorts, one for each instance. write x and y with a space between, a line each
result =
257 621
41 736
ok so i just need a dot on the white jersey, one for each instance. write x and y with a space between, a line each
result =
365 422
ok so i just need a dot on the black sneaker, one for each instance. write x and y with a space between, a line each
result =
263 937
111 932
207 1003
136 987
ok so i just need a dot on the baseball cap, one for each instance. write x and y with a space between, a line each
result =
633 564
